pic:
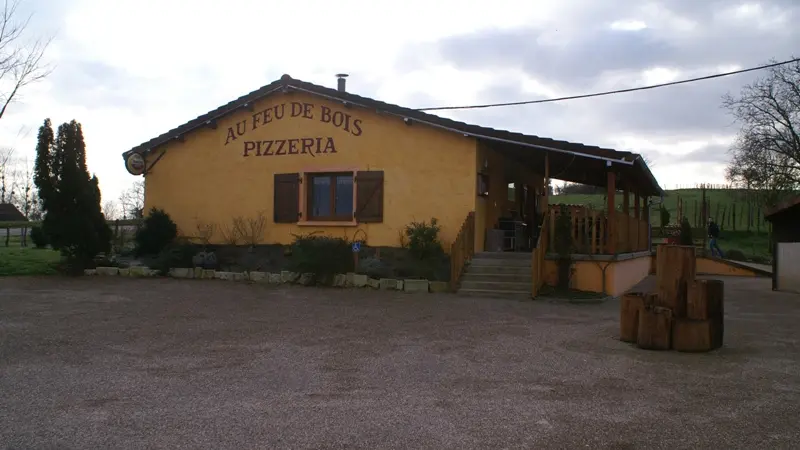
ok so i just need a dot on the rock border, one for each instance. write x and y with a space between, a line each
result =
342 280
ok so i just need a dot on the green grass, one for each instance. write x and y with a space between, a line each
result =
720 201
734 234
15 260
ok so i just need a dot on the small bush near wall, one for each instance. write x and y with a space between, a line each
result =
394 262
323 256
664 216
686 233
241 258
177 254
38 237
156 233
423 239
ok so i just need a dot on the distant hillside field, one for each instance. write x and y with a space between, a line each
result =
733 209
740 217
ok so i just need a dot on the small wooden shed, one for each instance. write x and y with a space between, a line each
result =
785 219
10 213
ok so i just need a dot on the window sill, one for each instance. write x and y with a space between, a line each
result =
328 223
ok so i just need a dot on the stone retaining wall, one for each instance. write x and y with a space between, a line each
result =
344 280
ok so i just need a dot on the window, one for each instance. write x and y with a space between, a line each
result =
330 196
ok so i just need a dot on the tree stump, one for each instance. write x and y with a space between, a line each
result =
690 335
706 302
630 306
655 328
704 299
675 269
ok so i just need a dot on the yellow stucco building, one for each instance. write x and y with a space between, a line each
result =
311 158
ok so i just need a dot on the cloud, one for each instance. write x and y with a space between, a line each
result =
623 44
131 70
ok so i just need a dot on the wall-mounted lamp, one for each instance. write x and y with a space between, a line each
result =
407 121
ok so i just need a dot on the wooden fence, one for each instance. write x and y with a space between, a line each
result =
117 228
589 230
538 256
34 223
462 249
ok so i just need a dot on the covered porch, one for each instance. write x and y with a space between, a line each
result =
621 227
530 221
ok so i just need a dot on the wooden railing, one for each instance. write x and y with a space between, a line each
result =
462 249
589 229
538 255
631 234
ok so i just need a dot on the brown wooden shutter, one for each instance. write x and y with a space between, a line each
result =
369 196
286 208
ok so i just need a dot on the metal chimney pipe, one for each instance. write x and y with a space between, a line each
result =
342 81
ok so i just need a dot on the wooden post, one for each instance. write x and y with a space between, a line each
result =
654 331
631 305
545 182
636 207
647 213
611 226
675 269
695 335
625 245
704 299
703 328
704 217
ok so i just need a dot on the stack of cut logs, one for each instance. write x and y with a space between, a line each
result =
684 314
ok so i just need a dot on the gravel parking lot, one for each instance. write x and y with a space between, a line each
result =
161 363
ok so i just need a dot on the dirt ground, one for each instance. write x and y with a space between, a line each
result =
160 363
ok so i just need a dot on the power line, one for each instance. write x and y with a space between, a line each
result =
618 91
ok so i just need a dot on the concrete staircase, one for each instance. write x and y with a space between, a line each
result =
498 275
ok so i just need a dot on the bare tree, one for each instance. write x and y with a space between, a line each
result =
24 196
21 60
132 201
110 210
766 154
251 229
6 174
230 233
205 231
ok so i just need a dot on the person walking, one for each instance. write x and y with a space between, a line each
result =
713 234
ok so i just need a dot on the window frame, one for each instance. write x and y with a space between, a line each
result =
310 196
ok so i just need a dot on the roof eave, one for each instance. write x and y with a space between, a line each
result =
286 82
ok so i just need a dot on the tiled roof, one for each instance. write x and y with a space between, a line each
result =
287 83
782 207
10 213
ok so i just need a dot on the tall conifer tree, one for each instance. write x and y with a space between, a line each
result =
70 197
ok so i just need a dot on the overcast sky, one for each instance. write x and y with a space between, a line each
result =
130 70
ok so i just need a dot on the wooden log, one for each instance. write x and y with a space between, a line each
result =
630 306
655 328
690 335
676 267
704 299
